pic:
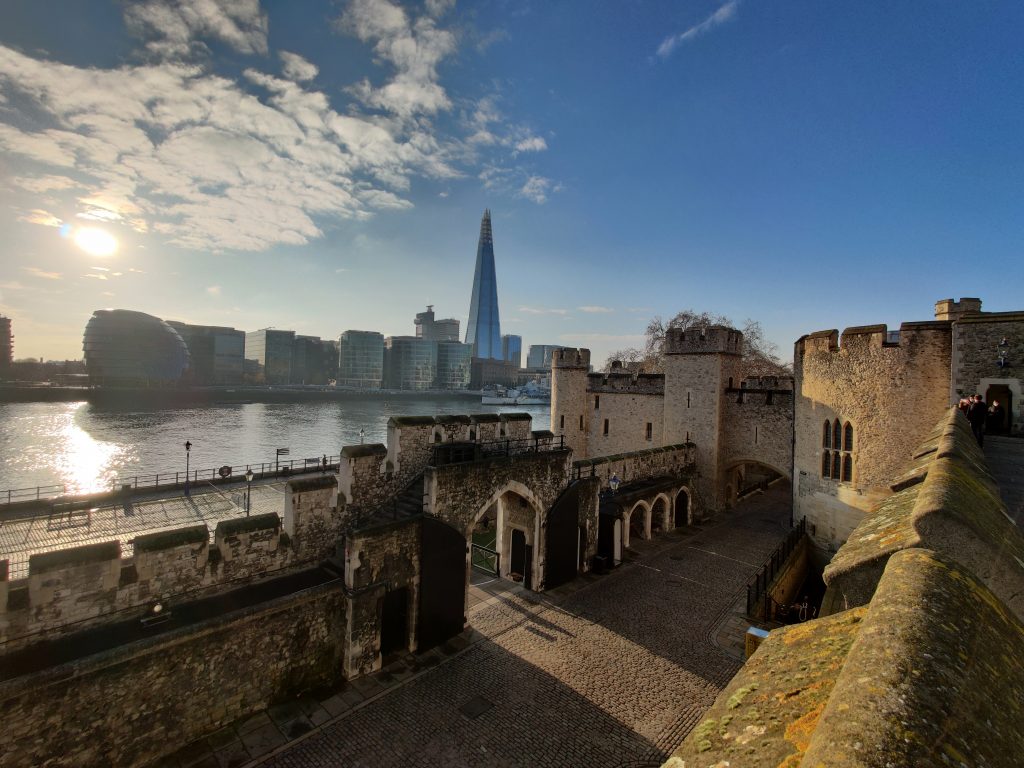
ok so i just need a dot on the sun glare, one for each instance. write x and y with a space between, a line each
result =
95 241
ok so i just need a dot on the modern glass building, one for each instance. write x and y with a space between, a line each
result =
409 363
309 360
454 364
484 330
540 356
361 360
436 330
126 348
272 350
215 353
512 349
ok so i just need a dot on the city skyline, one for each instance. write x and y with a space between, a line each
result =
323 168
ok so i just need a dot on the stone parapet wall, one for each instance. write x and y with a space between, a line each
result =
669 460
70 590
978 343
634 383
133 704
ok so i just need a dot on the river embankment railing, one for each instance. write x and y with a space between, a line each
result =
53 495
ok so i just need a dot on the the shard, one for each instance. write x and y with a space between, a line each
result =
484 329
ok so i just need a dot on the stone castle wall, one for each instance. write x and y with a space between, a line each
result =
891 393
135 703
976 350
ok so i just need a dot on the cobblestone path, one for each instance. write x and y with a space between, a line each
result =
613 674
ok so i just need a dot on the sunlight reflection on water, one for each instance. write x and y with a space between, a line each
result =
92 448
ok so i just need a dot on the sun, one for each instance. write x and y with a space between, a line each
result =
95 241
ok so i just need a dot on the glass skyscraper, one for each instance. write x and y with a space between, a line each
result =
484 330
512 349
361 359
409 363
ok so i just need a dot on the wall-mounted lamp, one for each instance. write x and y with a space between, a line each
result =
1003 350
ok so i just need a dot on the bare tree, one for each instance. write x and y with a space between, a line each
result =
760 356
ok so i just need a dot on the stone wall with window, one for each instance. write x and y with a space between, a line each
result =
880 396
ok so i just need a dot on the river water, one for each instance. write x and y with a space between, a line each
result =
89 448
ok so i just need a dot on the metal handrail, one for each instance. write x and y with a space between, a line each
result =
33 494
758 584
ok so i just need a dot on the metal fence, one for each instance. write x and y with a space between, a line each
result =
757 587
32 494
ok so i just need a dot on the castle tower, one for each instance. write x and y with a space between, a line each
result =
700 364
569 368
484 330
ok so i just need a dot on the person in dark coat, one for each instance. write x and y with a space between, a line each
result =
977 414
996 416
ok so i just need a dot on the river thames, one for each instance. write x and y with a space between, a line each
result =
88 448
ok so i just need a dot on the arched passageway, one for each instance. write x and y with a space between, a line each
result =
682 509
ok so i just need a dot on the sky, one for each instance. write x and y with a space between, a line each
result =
323 165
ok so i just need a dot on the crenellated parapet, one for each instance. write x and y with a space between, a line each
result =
570 357
710 340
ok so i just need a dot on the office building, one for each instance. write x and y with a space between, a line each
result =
512 349
436 330
6 345
484 330
215 353
132 349
409 363
539 357
272 350
454 365
361 360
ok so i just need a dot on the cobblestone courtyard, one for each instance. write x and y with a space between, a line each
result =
614 673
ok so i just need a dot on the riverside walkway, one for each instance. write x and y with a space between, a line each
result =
25 534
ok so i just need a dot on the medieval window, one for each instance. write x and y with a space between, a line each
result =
597 402
606 426
687 399
768 398
581 423
730 382
561 423
650 430
837 463
437 437
472 434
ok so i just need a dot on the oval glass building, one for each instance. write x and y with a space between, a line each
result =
133 349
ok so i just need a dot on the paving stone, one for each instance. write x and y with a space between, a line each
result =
251 723
335 705
233 755
222 738
263 739
616 672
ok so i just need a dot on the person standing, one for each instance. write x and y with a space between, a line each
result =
996 416
977 414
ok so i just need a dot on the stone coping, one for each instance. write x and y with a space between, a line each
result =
361 451
316 483
948 502
248 524
45 562
931 672
153 542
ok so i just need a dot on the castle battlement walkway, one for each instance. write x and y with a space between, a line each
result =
1005 458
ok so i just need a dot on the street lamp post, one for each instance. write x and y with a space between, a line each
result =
188 449
248 491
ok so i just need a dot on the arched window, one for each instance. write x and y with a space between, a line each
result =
848 437
826 435
826 464
836 459
837 453
837 434
847 468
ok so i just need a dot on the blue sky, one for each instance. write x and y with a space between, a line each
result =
324 165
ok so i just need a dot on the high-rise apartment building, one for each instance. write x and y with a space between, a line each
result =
512 349
484 330
409 363
272 351
436 330
361 360
215 353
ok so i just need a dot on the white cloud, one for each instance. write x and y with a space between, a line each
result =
190 155
172 28
592 309
543 311
439 7
536 189
414 47
531 144
297 68
36 272
720 16
41 217
213 290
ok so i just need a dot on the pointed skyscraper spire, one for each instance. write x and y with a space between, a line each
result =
484 329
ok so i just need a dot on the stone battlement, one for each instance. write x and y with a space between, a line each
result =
570 357
630 382
864 337
715 339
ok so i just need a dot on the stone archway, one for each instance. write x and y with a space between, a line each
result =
636 523
681 509
661 513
